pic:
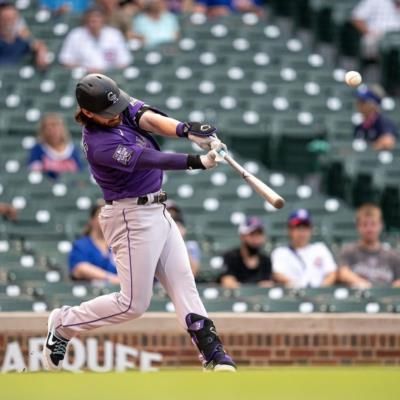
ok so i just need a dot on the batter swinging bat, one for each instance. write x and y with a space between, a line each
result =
260 187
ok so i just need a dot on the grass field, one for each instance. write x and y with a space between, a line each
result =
370 383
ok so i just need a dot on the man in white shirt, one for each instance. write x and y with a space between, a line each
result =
95 46
301 263
373 18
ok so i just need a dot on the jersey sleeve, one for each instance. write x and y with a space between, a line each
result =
117 155
136 109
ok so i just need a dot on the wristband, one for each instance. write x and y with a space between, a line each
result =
181 131
194 162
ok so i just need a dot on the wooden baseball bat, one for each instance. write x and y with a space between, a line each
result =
260 187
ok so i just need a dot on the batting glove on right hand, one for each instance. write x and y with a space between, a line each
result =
209 160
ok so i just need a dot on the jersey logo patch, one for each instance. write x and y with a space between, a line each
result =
123 154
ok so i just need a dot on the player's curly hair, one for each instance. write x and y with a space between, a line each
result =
81 118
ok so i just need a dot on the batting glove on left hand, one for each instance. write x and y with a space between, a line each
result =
201 134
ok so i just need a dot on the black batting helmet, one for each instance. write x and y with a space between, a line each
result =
99 94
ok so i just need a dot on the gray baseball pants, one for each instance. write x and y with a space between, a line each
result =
146 243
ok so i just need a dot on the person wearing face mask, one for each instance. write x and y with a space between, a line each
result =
248 264
301 263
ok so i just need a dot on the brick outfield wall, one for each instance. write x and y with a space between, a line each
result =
253 339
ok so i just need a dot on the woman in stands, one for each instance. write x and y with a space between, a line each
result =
90 258
54 153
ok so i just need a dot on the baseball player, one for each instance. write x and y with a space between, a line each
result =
128 165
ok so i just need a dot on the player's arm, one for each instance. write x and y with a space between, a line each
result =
201 134
157 123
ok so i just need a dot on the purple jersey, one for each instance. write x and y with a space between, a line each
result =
126 161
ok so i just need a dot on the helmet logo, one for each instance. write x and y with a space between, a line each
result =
111 96
204 128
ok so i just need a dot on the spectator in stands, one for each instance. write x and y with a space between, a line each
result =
95 46
374 18
155 24
301 263
15 43
66 6
118 16
90 258
21 29
8 211
368 262
248 263
221 8
192 246
54 153
376 128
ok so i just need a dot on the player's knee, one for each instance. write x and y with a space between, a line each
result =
136 309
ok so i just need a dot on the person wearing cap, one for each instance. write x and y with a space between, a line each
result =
127 164
95 46
301 263
248 264
192 246
375 128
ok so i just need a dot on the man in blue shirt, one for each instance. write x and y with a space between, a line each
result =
14 48
376 128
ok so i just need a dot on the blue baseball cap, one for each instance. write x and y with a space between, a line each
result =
299 217
250 225
364 93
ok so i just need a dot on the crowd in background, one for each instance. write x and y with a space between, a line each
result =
301 263
100 43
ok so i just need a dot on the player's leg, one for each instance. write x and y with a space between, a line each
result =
137 241
175 274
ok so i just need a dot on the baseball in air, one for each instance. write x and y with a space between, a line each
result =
353 78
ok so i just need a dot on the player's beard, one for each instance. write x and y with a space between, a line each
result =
112 123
